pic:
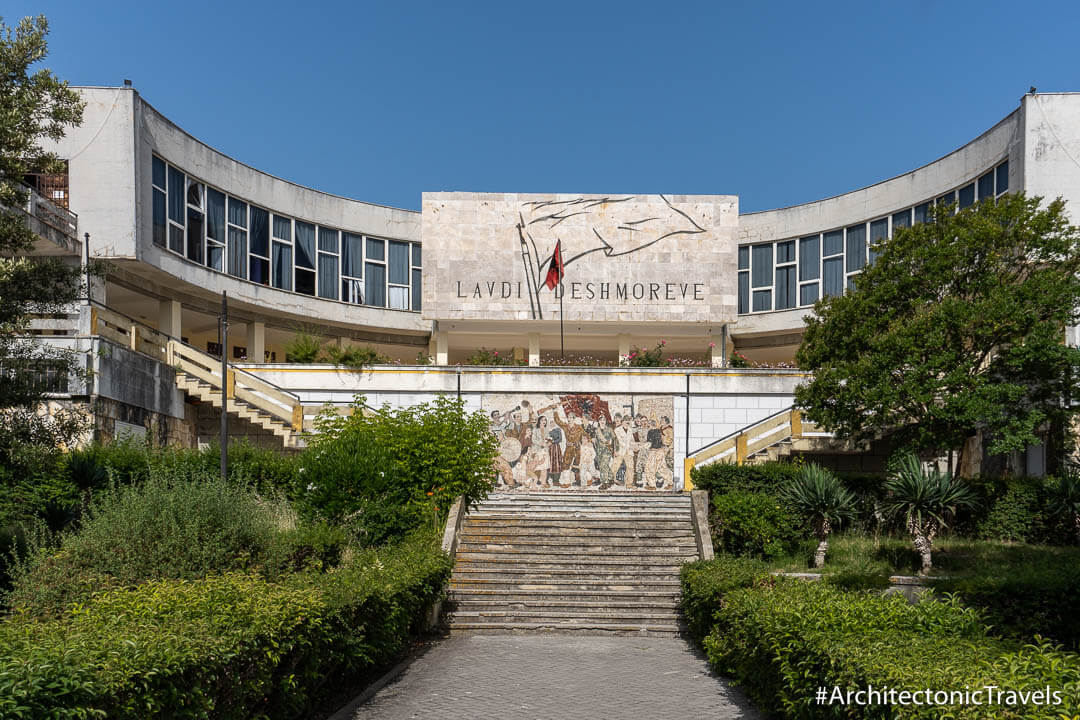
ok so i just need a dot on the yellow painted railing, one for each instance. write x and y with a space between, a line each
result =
740 445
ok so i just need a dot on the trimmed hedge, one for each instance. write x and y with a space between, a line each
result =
226 646
752 523
1023 602
783 638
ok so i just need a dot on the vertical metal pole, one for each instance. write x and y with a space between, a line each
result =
86 264
224 324
687 414
562 337
723 348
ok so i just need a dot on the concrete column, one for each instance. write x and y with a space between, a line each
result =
624 347
442 343
534 349
169 318
256 342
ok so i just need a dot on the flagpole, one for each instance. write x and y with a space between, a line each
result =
562 337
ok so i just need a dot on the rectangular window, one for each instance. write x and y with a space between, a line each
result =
809 258
375 249
215 215
176 238
305 247
375 284
947 199
856 248
417 289
328 276
762 300
399 298
282 263
176 195
416 255
399 264
159 218
879 232
158 172
967 196
238 213
744 293
195 238
305 281
215 256
833 270
922 212
834 242
808 294
1002 178
237 252
785 252
986 186
260 270
328 240
901 219
763 266
194 194
282 228
260 232
744 257
352 255
785 287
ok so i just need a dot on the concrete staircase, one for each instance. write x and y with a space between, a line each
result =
572 562
250 398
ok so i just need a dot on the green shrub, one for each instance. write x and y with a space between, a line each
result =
304 347
785 639
1026 599
355 357
719 478
225 646
484 356
749 523
705 582
171 527
384 474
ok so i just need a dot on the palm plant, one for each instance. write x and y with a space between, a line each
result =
927 501
1065 500
822 501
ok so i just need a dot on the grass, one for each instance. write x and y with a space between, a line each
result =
853 553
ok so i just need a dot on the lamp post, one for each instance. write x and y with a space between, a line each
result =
223 336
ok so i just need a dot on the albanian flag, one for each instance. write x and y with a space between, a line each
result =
555 270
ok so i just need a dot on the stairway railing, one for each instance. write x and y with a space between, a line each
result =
280 404
736 447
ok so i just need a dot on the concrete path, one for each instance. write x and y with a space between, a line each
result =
547 677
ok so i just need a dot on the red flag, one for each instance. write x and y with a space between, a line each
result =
555 269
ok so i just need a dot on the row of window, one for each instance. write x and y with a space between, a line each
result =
796 272
227 234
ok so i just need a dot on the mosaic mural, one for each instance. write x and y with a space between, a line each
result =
583 442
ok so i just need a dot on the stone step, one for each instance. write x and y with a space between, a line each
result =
597 586
514 522
657 505
591 496
485 570
591 548
511 595
673 560
488 605
525 533
594 519
545 615
570 627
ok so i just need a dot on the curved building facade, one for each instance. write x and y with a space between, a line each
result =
181 222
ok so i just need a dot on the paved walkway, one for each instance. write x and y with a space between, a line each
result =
547 677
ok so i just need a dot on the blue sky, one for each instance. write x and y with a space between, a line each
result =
777 102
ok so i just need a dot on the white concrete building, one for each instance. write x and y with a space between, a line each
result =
180 222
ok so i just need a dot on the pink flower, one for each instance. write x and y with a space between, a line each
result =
663 342
712 344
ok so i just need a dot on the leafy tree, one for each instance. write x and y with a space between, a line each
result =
956 327
926 500
34 107
822 501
